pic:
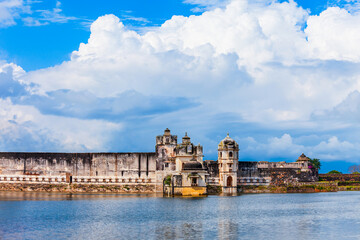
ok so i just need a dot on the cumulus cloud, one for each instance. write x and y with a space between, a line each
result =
334 35
286 148
9 86
85 105
272 148
348 111
24 128
261 69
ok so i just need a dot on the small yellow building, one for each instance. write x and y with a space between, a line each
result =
189 178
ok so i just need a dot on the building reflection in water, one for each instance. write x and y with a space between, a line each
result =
180 231
228 228
103 216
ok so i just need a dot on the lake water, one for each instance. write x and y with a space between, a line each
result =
252 216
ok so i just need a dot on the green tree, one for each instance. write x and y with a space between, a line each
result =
334 172
315 162
167 180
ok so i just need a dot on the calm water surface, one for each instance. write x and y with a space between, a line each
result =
262 216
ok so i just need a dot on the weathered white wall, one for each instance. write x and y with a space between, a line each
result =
79 164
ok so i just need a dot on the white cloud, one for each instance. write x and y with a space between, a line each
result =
346 112
283 144
334 35
284 147
9 80
23 128
352 6
262 65
335 150
10 10
205 2
206 5
44 17
182 49
128 16
16 70
281 147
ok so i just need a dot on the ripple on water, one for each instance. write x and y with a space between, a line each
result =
114 216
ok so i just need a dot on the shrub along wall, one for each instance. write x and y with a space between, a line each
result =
339 177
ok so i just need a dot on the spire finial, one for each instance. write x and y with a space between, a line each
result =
228 135
185 134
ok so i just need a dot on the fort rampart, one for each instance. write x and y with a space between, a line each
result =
125 165
339 177
176 167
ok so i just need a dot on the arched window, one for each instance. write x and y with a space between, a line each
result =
230 154
220 154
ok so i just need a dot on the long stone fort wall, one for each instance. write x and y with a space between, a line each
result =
122 165
171 165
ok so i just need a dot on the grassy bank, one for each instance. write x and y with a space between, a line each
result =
304 188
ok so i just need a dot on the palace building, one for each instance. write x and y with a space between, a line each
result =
174 168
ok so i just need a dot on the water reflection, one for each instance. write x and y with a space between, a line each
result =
118 216
228 229
181 231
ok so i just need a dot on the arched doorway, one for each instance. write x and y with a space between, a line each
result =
168 186
229 182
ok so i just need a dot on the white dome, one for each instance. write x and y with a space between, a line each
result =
228 143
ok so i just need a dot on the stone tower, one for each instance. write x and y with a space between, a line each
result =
187 151
165 150
228 157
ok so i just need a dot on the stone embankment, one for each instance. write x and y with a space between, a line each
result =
340 177
212 190
327 183
300 188
304 187
76 188
76 184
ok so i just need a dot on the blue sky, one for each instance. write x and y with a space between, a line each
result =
50 44
282 77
